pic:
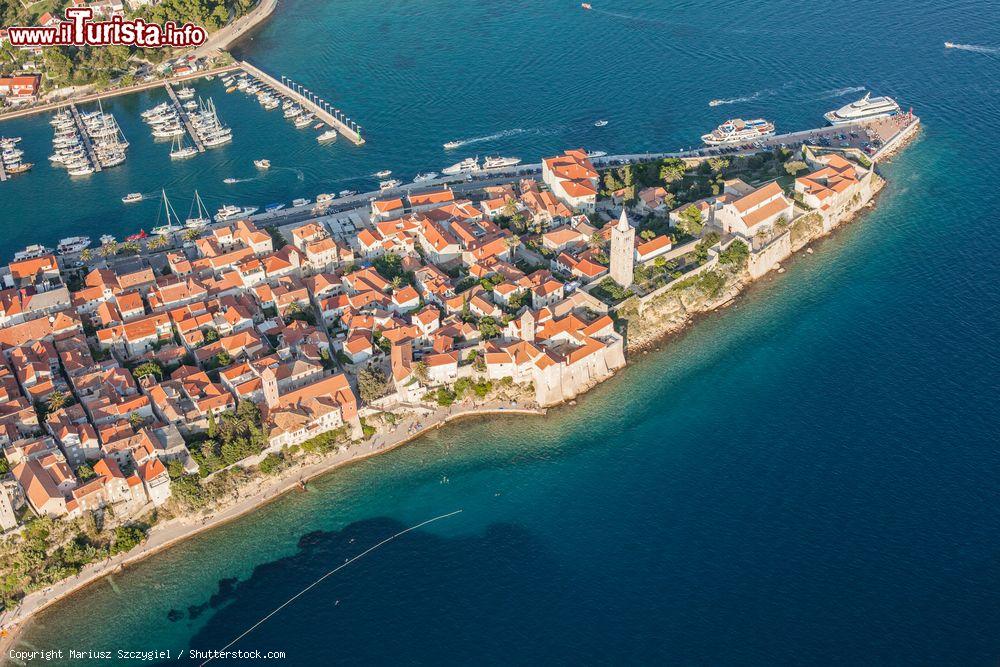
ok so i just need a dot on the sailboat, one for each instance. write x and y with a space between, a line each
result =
198 216
170 227
178 151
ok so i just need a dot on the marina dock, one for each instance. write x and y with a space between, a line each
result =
335 118
185 118
3 172
85 138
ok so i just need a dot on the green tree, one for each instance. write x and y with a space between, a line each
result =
85 473
148 368
488 327
57 400
691 221
373 384
420 372
735 255
795 166
126 538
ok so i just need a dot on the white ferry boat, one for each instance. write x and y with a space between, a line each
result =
346 193
866 108
230 212
466 166
80 170
324 198
423 178
738 131
500 162
31 252
132 198
73 244
301 201
390 184
329 135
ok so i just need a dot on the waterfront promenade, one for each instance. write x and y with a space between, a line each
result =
173 531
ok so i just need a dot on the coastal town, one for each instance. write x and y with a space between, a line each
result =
132 388
155 387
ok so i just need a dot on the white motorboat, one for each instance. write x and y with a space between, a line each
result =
467 166
385 173
324 198
262 164
229 212
329 135
600 123
500 162
346 193
108 239
427 176
452 145
737 131
132 198
301 201
390 184
866 108
185 93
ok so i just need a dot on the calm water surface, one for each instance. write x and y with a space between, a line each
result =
806 478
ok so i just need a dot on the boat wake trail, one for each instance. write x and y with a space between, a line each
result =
628 17
331 572
745 98
234 181
975 48
838 92
490 137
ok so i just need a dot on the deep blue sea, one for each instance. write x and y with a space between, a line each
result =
808 477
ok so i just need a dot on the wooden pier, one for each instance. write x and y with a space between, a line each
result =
335 118
85 138
3 172
185 118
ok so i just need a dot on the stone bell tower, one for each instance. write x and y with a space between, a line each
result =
622 251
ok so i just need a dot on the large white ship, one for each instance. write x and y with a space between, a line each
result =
468 165
739 131
229 212
866 108
500 162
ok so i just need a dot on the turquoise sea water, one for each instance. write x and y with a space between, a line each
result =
808 477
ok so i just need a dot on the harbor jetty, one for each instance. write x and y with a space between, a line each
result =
322 110
88 145
3 172
185 118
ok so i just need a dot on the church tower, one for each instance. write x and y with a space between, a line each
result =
622 251
270 385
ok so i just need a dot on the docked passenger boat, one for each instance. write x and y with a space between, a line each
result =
346 193
273 208
229 212
19 167
739 131
32 251
593 154
80 169
132 198
390 184
467 166
137 237
329 135
303 121
300 201
427 176
500 162
8 142
73 244
866 108
185 93
324 198
108 239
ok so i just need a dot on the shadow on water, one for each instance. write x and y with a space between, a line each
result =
453 597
